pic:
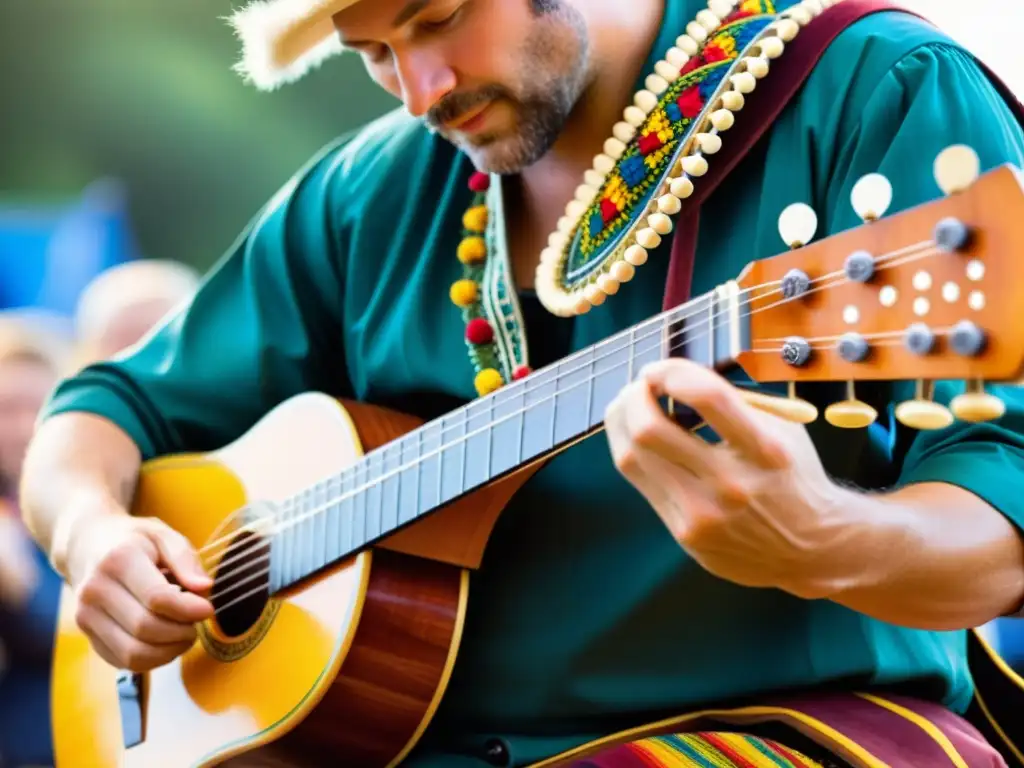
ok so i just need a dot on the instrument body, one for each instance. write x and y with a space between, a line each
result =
352 665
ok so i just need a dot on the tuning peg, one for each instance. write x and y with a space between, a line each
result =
956 168
871 196
797 225
977 405
790 408
922 413
850 413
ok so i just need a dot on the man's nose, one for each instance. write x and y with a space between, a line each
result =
424 79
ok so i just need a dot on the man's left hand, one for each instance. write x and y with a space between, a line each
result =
757 508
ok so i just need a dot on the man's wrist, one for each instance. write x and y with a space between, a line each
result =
872 535
87 508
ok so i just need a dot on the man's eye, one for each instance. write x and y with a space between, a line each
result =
448 21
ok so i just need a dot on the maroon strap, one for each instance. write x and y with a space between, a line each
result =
763 107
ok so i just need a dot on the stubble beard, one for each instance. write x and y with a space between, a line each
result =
554 76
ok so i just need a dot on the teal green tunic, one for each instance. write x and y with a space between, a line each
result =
586 616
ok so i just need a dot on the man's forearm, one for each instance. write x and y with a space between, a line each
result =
940 558
77 465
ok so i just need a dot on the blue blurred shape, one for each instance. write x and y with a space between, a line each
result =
48 253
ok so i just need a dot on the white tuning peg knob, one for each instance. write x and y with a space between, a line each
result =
956 168
871 196
797 225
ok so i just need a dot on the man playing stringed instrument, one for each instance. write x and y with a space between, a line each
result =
784 561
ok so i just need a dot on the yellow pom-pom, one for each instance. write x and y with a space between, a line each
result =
463 293
472 250
475 219
487 381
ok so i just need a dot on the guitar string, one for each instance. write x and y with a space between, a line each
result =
885 261
316 510
251 563
264 558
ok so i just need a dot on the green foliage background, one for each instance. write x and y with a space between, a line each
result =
143 90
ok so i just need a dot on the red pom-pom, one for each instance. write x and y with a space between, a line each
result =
522 372
690 103
479 182
649 143
713 53
609 210
479 331
691 65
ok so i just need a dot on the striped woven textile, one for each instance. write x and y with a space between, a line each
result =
699 750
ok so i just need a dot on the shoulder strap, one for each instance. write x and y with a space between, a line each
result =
763 107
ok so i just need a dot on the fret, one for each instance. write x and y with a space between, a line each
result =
323 519
409 478
462 442
391 486
347 508
291 561
648 345
477 441
712 336
506 434
359 507
521 421
304 522
571 411
734 323
307 522
554 411
298 529
334 543
692 330
612 369
451 483
275 578
278 545
431 478
374 495
721 331
538 394
489 471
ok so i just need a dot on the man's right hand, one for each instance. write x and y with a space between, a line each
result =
135 618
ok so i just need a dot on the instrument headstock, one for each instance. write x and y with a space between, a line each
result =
926 294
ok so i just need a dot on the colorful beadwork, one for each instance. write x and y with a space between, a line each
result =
465 293
624 207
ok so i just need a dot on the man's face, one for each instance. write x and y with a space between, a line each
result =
497 78
24 385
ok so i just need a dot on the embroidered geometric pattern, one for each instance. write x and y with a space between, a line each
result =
641 169
699 750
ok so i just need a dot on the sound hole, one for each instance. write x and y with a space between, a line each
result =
241 587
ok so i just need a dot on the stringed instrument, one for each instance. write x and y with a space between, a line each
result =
341 536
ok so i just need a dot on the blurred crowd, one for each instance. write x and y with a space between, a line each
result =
114 311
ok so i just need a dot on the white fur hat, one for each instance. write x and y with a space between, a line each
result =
282 40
